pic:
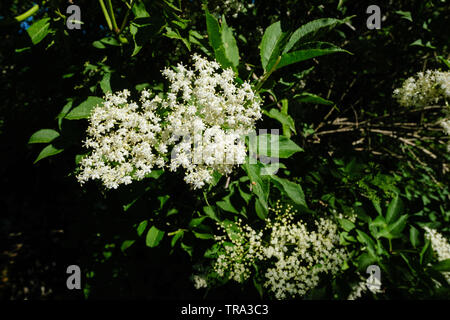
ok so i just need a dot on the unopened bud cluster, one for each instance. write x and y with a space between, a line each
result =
290 255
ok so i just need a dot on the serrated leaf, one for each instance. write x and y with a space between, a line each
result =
141 227
154 237
284 119
414 236
39 30
405 15
266 145
443 266
346 224
83 110
307 97
105 83
317 49
394 210
261 208
226 205
308 30
139 10
270 44
291 189
43 136
126 244
229 44
396 228
48 151
365 239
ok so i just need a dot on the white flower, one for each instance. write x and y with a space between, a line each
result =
440 246
205 115
426 88
291 259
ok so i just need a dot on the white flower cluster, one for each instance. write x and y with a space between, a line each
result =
234 7
371 284
289 255
200 281
445 124
123 139
211 113
358 289
440 245
202 119
426 88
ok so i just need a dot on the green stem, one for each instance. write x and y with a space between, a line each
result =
113 18
125 20
267 75
105 12
390 245
27 14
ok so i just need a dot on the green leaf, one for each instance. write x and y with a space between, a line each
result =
394 210
39 30
126 244
347 225
154 236
48 151
426 253
43 136
414 236
307 97
395 229
365 239
229 44
203 236
270 45
317 49
210 213
226 205
284 119
105 83
141 227
405 15
261 208
253 173
83 111
287 147
178 235
308 30
215 40
139 10
266 146
292 190
213 28
443 266
65 110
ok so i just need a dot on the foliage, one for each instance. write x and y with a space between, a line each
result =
347 151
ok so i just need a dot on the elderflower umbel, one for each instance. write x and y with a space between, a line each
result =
289 255
440 245
210 112
425 88
123 139
201 119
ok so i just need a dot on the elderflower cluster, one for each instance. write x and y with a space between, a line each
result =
210 112
201 120
234 7
289 255
426 88
123 139
445 124
358 289
440 245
